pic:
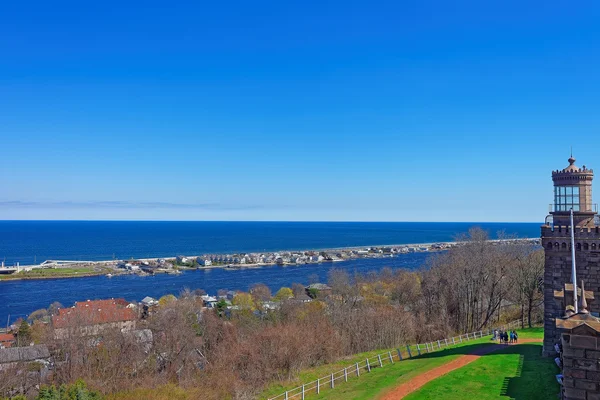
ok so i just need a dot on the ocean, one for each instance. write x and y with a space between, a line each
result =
27 242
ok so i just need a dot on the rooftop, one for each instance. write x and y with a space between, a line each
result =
93 313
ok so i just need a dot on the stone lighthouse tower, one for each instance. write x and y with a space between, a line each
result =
572 191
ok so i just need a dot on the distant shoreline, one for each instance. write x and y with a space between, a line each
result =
105 267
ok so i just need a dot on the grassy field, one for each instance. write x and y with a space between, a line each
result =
52 273
380 380
368 384
516 372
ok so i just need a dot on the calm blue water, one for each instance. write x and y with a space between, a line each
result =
29 241
20 298
22 240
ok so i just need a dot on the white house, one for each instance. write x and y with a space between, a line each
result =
204 262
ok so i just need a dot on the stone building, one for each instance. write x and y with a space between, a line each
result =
580 351
572 191
91 318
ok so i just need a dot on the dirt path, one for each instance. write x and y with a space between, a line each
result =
417 382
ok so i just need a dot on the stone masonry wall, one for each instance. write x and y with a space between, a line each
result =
581 367
558 271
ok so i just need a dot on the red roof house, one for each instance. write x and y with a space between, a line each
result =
6 340
91 317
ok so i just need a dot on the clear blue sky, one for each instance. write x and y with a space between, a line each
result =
311 110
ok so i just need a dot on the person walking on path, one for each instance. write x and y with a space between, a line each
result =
515 336
512 337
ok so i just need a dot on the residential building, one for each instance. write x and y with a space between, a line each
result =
90 318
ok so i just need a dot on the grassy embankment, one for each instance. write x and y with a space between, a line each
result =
516 372
380 380
42 273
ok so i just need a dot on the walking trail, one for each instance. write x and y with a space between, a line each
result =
417 382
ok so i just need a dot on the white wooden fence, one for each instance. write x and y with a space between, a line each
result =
380 360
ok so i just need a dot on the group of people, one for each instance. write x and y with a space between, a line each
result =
506 337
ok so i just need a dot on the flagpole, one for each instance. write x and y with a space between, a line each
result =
573 268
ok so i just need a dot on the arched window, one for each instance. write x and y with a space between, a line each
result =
564 245
593 246
578 247
586 246
557 246
549 246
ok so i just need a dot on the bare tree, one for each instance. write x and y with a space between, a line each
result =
526 277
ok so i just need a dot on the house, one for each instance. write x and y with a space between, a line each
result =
301 298
132 267
318 290
89 318
209 301
149 301
182 260
149 305
6 340
204 262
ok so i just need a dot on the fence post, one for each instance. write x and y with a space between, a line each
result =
446 341
332 382
408 349
302 392
439 346
368 366
318 385
391 358
418 349
460 337
379 358
453 342
399 354
346 374
286 395
357 370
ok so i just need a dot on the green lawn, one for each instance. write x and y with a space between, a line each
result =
369 384
500 368
52 273
516 372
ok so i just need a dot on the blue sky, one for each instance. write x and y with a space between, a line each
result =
312 110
